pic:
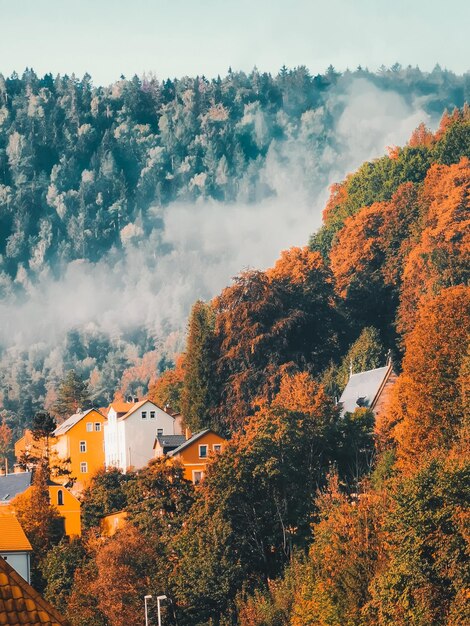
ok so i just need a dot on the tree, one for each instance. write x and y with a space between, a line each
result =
104 495
198 394
426 575
42 427
72 395
58 569
5 439
39 519
427 408
168 388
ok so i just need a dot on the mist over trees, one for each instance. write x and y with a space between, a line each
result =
85 171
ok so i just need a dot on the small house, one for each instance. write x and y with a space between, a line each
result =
195 453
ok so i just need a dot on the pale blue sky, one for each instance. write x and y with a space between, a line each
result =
177 37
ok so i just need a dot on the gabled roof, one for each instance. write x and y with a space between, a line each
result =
137 405
190 441
71 421
12 537
21 604
120 406
170 441
13 484
363 389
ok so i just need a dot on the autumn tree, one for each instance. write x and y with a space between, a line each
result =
168 388
6 435
439 258
39 518
427 406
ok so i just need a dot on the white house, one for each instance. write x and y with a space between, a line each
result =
129 436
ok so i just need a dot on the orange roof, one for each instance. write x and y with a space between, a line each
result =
120 406
134 406
21 604
12 537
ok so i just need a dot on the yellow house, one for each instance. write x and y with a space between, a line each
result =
81 439
113 522
195 453
67 505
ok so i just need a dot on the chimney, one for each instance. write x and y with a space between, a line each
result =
187 433
130 398
136 400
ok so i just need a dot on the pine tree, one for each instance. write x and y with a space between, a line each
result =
72 395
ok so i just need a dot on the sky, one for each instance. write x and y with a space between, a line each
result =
173 38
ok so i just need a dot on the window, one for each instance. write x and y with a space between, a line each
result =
159 432
60 498
144 415
197 476
82 446
217 447
97 427
203 451
83 468
152 415
89 427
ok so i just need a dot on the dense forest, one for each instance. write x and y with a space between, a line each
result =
308 518
88 176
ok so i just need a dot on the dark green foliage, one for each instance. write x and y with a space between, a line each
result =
105 494
58 569
42 425
366 353
198 395
72 395
428 571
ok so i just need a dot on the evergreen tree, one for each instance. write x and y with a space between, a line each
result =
72 395
198 396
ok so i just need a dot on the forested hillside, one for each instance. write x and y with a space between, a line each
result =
309 518
88 176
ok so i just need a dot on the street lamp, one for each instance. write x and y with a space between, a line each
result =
146 612
158 609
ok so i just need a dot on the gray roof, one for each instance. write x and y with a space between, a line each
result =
167 441
189 442
13 484
362 389
71 421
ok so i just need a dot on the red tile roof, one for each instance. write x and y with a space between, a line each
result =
21 605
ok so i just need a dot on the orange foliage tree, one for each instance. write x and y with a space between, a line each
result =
427 405
440 258
166 390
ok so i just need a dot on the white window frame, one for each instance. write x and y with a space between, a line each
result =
152 415
82 445
159 432
83 467
89 427
217 448
203 445
97 427
143 415
194 476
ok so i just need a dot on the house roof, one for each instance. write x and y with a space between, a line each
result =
189 441
71 421
136 405
170 441
21 604
12 537
120 406
363 389
13 484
